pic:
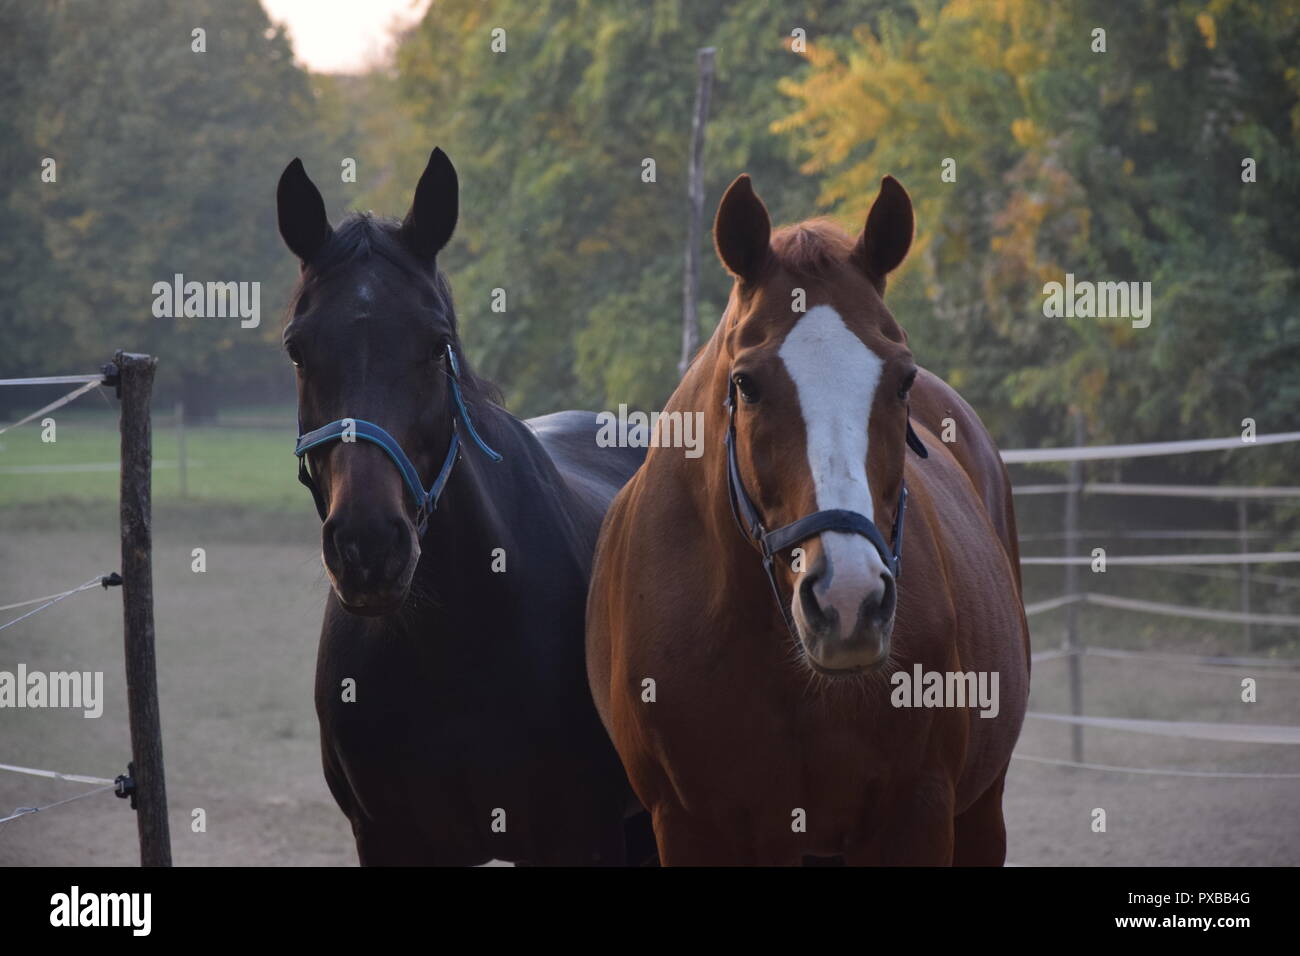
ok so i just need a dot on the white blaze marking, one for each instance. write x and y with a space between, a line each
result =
835 376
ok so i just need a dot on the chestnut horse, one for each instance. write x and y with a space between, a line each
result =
764 731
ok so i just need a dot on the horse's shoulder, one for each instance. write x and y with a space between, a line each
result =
573 440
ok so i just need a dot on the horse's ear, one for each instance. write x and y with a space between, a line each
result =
301 210
432 219
742 230
887 236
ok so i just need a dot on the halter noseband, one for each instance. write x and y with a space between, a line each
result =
850 522
425 501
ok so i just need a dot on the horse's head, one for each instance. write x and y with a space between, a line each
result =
819 372
370 335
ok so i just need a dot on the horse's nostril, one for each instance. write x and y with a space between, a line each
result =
812 595
399 548
888 592
351 554
344 548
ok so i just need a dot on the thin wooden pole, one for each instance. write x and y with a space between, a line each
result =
136 389
1073 641
180 446
1243 533
695 193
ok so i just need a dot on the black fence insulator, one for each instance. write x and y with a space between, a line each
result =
112 377
125 784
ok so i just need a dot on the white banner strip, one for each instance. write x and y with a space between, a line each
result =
55 775
1171 560
1155 607
1191 660
160 464
1203 614
71 396
1020 456
1199 660
1156 772
53 380
1051 605
1188 729
1164 491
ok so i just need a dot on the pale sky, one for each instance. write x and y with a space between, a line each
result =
343 36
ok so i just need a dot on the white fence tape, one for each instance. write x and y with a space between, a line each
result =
1156 772
59 403
1192 660
1145 450
1187 729
1156 607
55 775
1170 560
1164 491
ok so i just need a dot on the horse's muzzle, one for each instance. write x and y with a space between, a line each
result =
839 643
370 565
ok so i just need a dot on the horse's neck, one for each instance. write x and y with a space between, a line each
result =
488 504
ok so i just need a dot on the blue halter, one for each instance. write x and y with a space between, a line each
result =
350 429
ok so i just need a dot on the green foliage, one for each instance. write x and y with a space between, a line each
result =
1123 165
549 139
167 162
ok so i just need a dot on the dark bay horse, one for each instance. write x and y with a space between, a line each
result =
456 722
788 668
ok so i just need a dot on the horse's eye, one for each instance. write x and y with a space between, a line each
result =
907 385
295 356
745 385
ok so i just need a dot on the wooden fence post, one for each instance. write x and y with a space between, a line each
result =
1073 642
136 389
180 448
1243 534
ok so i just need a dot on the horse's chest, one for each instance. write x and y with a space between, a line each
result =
399 720
468 759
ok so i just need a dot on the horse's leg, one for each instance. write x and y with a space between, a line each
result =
387 846
639 839
918 830
378 848
981 832
684 841
612 849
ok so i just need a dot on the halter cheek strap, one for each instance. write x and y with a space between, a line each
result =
350 429
771 543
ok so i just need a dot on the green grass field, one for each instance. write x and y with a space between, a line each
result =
251 466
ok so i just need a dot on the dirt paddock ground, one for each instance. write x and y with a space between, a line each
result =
236 654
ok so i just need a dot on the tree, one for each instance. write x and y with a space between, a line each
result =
1122 165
